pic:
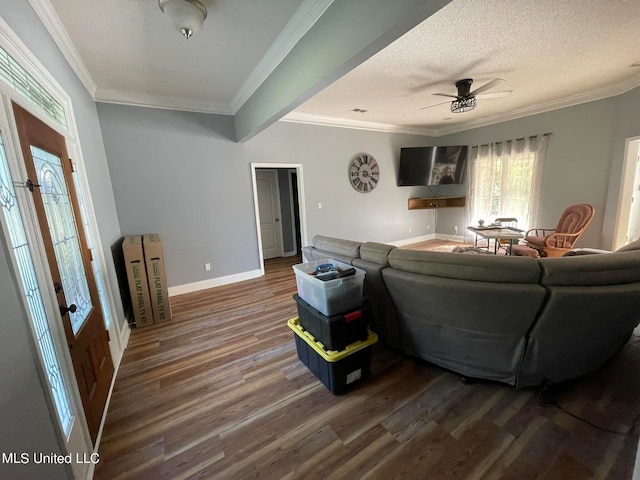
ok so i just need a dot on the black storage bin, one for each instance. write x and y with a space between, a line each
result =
338 371
337 331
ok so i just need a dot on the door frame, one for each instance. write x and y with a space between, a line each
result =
301 203
626 191
79 439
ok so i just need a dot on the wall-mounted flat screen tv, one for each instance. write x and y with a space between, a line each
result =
432 165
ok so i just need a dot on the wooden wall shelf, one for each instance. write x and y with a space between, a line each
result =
439 202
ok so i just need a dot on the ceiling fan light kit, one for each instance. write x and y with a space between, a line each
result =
463 105
465 100
187 15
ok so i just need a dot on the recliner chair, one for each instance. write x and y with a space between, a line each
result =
555 242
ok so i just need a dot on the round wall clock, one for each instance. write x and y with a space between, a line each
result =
364 173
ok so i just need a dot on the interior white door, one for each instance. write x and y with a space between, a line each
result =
633 228
269 211
627 222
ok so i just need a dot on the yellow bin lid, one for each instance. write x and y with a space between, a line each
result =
330 355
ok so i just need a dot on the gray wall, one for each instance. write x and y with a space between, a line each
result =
584 158
26 422
179 174
627 124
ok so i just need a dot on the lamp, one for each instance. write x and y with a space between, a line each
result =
187 15
465 104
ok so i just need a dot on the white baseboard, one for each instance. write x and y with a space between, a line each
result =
451 238
409 241
289 254
213 282
426 238
124 339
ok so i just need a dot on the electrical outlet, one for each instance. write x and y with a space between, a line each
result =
455 229
207 266
409 229
428 227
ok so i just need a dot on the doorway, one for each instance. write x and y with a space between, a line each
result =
286 204
627 228
68 258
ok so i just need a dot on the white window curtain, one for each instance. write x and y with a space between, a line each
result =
505 181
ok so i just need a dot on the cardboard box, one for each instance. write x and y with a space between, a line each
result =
137 280
154 260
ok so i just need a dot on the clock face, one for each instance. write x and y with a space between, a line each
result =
364 173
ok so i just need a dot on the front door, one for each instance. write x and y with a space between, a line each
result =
50 171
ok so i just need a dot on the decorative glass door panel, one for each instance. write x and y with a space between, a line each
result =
26 270
64 235
50 180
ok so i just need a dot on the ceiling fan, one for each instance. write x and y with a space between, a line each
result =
465 100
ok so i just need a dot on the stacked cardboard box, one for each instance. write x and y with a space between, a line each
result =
157 278
147 280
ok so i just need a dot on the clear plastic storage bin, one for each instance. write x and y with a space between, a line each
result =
330 297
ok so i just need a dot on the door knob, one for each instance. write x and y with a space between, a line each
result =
71 308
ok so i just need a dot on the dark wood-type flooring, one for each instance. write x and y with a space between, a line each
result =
219 393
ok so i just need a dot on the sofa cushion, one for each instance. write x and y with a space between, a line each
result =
481 268
590 270
475 328
339 246
376 252
577 331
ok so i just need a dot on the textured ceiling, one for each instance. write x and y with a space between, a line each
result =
551 53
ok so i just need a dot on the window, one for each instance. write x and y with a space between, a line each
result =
505 180
18 78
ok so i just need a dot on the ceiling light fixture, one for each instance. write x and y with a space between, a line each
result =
465 104
187 15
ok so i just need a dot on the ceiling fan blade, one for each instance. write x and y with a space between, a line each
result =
504 93
435 105
446 95
493 83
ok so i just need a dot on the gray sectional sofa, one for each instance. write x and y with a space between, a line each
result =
519 320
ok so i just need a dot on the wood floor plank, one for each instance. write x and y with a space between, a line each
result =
219 393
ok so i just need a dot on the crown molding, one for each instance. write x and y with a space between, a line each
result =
602 93
166 103
52 23
299 24
312 119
